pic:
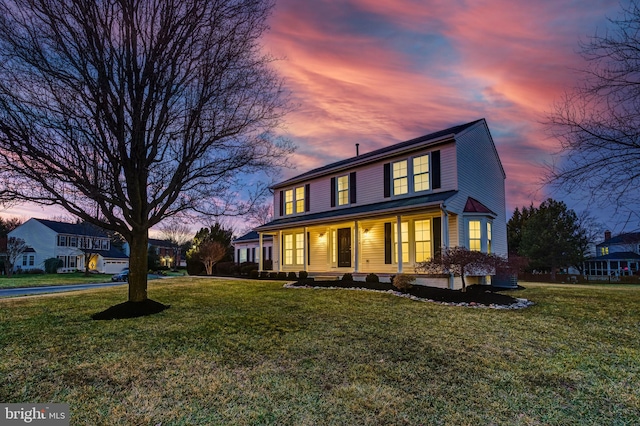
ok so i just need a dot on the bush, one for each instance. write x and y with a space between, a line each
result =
292 276
225 268
265 274
273 275
52 264
347 277
34 271
303 275
282 275
267 264
403 282
247 267
254 274
372 278
195 267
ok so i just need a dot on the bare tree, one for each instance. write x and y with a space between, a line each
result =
178 233
129 112
598 122
15 248
210 253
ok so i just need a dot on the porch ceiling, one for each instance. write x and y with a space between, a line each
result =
359 212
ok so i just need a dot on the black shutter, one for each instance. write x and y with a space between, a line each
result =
437 236
333 192
352 187
387 243
281 203
387 180
307 201
264 255
308 248
435 169
253 255
238 258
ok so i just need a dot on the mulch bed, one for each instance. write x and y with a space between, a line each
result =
478 294
131 310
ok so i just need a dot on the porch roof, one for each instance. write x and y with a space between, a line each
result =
622 255
393 206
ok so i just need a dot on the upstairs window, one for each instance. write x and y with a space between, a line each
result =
421 173
288 201
400 179
604 251
300 199
343 190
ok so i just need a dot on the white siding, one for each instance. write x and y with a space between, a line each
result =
39 237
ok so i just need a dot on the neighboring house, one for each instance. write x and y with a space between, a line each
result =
615 256
168 252
247 249
68 242
387 210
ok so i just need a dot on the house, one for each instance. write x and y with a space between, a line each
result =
247 249
615 256
169 253
387 210
69 242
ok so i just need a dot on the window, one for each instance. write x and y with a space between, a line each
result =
489 237
343 190
62 240
294 249
32 260
404 230
400 180
421 173
73 241
299 249
300 199
423 240
24 260
604 251
475 237
105 244
288 201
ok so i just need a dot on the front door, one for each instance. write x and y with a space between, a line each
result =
344 248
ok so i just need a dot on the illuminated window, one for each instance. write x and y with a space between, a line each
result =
489 237
288 249
421 173
400 180
299 249
475 237
404 230
300 199
343 190
423 240
288 201
604 251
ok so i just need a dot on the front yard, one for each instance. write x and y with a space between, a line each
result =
252 352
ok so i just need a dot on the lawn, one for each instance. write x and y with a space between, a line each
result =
252 352
39 280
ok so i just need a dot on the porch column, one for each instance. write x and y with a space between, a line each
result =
260 256
356 245
306 249
445 226
399 240
280 251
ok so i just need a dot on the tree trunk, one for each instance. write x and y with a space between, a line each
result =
138 267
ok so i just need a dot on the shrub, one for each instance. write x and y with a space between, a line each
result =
254 274
347 277
303 275
403 282
372 278
292 276
267 264
247 267
273 275
195 267
225 268
282 275
52 264
265 274
34 271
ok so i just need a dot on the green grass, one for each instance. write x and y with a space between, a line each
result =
39 280
252 352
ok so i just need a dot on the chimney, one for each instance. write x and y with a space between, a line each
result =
607 235
357 149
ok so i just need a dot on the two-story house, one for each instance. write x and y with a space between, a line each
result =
615 256
387 210
69 242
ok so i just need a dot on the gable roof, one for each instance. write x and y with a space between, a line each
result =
475 206
73 228
252 236
435 137
161 243
627 238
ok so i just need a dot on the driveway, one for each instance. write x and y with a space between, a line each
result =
28 291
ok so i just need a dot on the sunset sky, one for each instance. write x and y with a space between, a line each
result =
378 72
